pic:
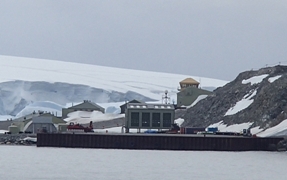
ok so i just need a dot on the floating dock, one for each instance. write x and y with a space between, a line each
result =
158 142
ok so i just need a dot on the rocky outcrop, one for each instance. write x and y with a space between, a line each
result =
264 103
18 139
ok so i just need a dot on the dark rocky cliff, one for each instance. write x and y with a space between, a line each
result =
267 109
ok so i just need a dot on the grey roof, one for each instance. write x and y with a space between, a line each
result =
89 103
150 106
132 101
28 116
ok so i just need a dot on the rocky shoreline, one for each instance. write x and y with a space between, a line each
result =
18 139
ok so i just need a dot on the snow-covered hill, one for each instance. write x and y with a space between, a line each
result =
26 81
256 99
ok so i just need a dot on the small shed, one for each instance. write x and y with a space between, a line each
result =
124 106
149 116
86 105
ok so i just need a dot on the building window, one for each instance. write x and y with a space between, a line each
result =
145 119
155 119
166 119
135 119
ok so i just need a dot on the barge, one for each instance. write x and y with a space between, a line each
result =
158 142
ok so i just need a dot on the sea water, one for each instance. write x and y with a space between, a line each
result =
30 162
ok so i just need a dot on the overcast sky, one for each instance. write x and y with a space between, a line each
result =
207 38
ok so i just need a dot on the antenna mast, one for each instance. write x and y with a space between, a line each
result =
165 98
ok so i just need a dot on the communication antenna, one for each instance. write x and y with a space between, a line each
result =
165 98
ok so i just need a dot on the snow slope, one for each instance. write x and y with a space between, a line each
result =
83 117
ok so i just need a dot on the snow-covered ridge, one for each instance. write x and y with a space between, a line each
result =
150 84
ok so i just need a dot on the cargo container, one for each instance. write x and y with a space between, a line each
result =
191 130
212 129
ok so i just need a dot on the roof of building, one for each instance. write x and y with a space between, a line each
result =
132 101
150 106
188 81
26 119
31 115
89 103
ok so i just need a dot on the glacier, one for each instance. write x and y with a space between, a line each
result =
28 84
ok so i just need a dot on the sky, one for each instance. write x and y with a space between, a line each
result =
209 38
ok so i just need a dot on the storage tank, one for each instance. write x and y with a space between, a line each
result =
13 129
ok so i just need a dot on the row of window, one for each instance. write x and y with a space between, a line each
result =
152 106
189 85
150 119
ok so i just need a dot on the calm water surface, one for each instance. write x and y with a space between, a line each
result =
29 162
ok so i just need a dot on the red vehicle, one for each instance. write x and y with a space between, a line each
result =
79 128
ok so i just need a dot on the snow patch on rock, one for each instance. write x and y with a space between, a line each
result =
242 104
255 79
272 79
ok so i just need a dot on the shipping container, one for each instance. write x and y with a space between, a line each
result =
191 130
212 129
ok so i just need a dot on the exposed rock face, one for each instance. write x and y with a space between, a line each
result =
15 95
267 99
